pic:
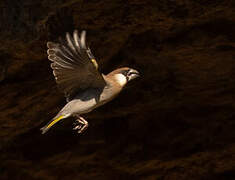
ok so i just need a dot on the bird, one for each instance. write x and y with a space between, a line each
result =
76 73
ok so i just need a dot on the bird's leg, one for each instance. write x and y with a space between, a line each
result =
80 124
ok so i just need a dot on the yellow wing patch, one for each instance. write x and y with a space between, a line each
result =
95 63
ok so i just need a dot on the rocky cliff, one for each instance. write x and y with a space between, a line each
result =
175 122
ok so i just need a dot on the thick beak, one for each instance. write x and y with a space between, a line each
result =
133 74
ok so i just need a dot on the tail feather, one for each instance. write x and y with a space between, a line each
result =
45 128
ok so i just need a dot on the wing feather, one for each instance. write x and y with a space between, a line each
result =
76 40
73 65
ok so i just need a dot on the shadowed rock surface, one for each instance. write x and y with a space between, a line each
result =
175 122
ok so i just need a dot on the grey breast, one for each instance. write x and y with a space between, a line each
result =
83 102
90 99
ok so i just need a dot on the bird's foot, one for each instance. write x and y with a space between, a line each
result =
80 124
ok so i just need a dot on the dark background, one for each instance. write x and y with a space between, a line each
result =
175 122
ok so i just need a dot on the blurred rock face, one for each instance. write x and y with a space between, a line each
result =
5 60
175 122
2 68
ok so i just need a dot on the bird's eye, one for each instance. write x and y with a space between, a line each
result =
125 73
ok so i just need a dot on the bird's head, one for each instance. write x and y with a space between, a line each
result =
124 75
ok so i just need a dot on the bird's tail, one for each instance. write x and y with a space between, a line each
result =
56 119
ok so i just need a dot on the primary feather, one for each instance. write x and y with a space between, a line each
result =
74 66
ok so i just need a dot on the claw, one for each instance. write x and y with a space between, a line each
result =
81 125
77 127
83 128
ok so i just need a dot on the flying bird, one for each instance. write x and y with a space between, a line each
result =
76 73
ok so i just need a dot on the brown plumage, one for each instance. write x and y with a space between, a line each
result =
76 73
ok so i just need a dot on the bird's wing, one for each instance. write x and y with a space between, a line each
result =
74 66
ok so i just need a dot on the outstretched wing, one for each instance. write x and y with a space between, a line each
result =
74 66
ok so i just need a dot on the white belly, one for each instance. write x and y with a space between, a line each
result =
84 103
